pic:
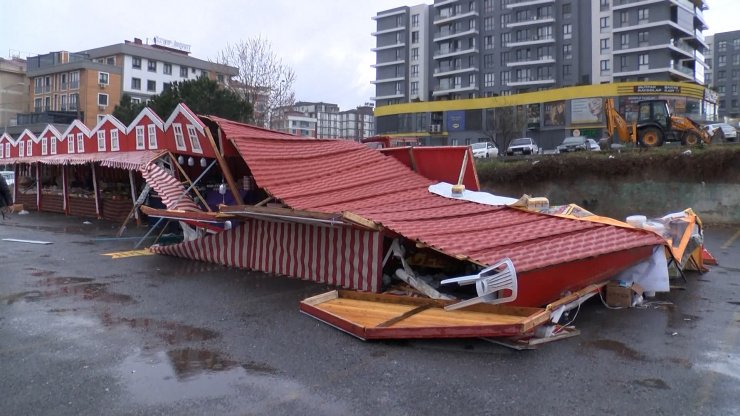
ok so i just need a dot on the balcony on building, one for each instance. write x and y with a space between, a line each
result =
444 3
451 89
448 53
386 80
391 46
524 3
441 18
389 63
446 34
446 70
391 30
681 48
532 61
388 97
533 80
534 20
534 40
389 14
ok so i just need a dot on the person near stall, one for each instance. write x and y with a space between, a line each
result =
6 198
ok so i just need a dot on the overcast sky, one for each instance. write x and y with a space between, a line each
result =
327 42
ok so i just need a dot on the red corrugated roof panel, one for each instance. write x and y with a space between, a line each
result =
341 175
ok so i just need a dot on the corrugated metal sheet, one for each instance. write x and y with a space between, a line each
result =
340 175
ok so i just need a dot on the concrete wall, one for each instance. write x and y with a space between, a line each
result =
716 203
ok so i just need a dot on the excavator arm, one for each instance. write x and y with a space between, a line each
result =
616 123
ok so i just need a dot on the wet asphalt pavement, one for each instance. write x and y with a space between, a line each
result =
84 334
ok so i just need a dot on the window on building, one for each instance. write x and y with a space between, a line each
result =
135 83
567 10
103 78
624 18
136 62
623 62
722 60
604 4
167 69
151 65
567 31
488 42
139 137
114 144
604 23
29 148
415 70
414 88
53 145
643 15
37 104
101 140
488 61
734 89
488 23
414 54
183 72
505 39
643 61
136 100
487 6
721 89
736 59
568 51
722 46
505 20
151 85
415 36
567 69
44 147
721 75
735 73
642 38
605 65
624 40
179 138
194 141
414 20
103 100
152 136
736 44
489 79
505 77
604 43
74 80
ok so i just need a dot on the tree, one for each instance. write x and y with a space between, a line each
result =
263 79
504 124
127 110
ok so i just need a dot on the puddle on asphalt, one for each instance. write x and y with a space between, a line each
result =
615 347
170 332
59 287
654 383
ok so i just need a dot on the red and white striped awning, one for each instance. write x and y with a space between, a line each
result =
123 160
168 188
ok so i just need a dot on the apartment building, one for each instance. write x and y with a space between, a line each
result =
89 84
326 115
358 123
13 90
331 123
726 72
464 49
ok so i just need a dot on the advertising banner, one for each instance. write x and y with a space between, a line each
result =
586 110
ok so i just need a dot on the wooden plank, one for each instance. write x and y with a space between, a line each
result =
287 212
188 181
224 168
364 222
403 316
318 299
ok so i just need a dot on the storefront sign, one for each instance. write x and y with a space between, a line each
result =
173 44
655 89
455 120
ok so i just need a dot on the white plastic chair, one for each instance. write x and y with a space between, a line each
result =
488 283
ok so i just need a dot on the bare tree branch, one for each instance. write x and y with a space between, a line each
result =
263 79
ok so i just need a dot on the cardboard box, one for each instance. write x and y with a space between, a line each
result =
620 294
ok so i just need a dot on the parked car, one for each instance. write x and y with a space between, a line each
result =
9 176
575 144
722 131
484 149
593 145
523 146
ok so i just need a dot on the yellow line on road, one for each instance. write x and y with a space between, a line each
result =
732 239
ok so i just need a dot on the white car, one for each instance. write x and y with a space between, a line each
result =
722 131
592 145
523 146
484 150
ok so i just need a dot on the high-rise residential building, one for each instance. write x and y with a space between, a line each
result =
459 49
326 121
326 115
13 90
726 72
89 84
358 123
